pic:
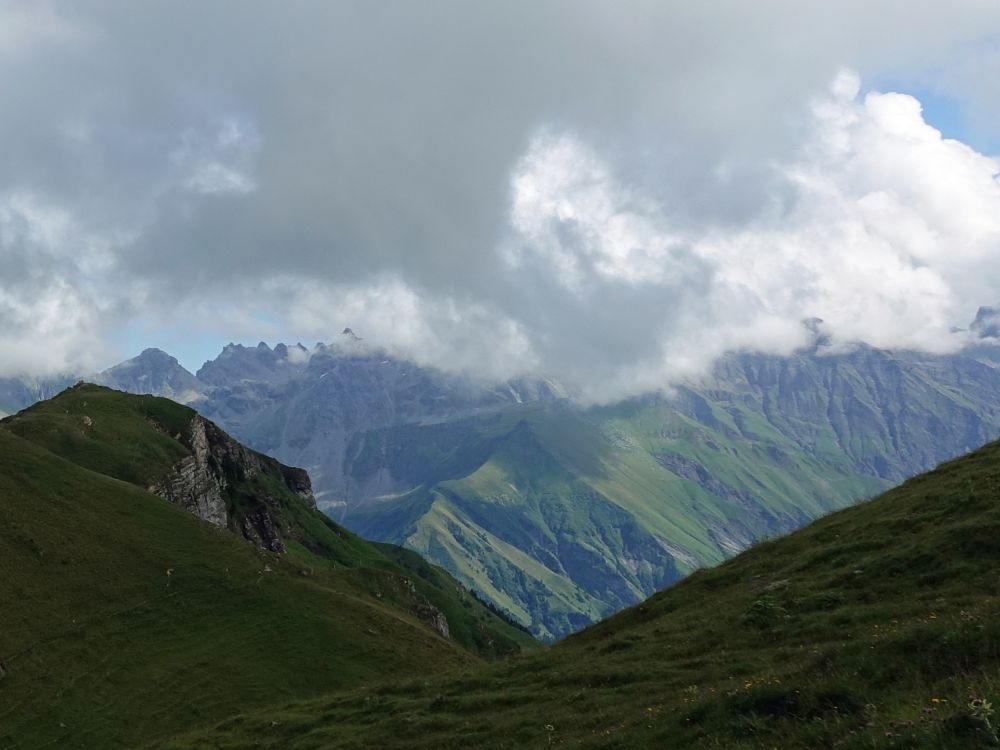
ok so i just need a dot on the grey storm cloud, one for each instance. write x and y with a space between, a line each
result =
556 187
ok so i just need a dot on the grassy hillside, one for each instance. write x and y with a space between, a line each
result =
562 518
125 618
875 627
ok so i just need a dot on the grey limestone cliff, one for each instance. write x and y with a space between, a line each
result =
207 481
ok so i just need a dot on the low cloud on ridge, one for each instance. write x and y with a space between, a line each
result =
615 205
883 228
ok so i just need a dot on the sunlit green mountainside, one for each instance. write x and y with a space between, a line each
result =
561 515
875 627
566 520
126 617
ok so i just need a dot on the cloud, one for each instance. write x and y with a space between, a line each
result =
608 195
26 26
221 163
50 310
886 230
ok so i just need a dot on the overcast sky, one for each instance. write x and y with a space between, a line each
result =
609 193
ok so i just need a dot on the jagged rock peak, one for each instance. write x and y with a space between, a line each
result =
350 334
820 333
154 353
987 322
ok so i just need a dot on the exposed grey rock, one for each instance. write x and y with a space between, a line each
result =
435 617
196 484
258 527
986 323
298 482
237 363
424 609
200 481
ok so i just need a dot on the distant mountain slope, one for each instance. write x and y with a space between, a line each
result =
875 627
567 518
127 617
761 448
316 409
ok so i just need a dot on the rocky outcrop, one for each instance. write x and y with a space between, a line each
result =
987 323
436 619
206 483
297 480
258 527
423 609
196 483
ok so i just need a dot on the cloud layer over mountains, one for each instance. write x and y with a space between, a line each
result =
609 194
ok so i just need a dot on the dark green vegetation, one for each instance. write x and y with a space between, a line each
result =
875 627
125 618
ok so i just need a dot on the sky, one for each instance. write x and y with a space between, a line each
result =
610 194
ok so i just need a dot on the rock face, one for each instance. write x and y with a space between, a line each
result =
987 323
203 483
438 621
197 483
297 480
423 609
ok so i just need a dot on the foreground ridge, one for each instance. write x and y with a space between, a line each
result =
130 616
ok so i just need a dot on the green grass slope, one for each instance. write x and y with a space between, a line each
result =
125 618
875 627
139 439
561 518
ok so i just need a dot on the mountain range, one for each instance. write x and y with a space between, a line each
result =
558 514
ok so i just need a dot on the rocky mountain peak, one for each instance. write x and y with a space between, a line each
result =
237 363
819 332
987 323
153 354
153 371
